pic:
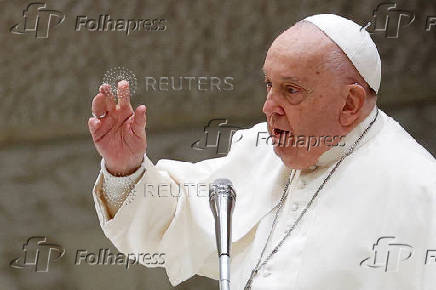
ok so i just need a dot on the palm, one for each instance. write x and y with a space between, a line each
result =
119 136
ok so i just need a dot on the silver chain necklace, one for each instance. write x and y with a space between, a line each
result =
260 264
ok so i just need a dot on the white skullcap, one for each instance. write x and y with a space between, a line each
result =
356 44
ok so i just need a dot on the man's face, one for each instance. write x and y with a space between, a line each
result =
303 99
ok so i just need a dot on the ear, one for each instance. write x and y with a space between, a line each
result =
354 101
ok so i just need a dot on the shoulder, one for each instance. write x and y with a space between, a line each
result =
251 145
251 133
249 137
399 158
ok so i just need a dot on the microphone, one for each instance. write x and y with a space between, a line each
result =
222 199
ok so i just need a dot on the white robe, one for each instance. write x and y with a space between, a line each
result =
384 191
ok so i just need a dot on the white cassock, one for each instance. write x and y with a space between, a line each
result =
372 227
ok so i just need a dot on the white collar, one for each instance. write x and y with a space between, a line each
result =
336 152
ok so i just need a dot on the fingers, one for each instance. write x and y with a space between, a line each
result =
123 94
99 128
106 90
94 124
139 121
99 107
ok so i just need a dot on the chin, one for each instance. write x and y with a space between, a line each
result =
293 160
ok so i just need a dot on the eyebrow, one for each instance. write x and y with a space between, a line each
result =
286 78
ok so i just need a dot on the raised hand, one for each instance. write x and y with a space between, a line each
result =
118 131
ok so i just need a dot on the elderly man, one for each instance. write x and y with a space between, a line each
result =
356 209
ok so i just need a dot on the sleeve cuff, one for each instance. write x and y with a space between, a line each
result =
117 185
114 184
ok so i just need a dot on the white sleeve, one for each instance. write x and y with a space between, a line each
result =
429 246
116 189
167 212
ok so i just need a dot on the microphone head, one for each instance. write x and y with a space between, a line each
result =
222 181
221 187
222 201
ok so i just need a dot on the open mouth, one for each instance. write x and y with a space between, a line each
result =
280 132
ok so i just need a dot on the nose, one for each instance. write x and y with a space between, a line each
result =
272 106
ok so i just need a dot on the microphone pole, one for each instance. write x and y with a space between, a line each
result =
222 199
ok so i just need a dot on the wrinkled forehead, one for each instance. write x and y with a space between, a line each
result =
302 48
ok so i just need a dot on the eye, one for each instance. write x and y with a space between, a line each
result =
292 90
268 85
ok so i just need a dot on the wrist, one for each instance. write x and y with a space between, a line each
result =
123 171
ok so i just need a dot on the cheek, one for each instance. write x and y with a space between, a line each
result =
322 114
294 113
299 119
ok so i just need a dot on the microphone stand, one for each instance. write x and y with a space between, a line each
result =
222 201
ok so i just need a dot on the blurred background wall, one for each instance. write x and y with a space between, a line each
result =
48 163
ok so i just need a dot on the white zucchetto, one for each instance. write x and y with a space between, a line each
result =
355 42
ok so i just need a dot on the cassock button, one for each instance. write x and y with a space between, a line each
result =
266 272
